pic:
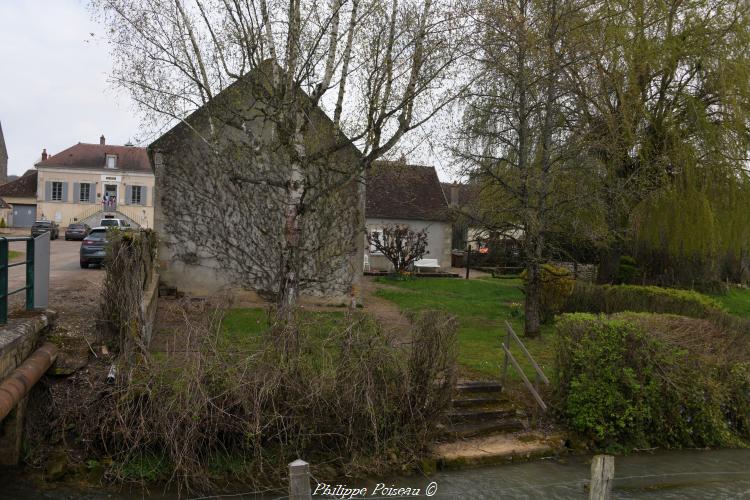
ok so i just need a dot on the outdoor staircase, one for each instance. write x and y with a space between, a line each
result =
483 427
479 409
92 218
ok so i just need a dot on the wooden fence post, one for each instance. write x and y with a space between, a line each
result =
299 480
602 475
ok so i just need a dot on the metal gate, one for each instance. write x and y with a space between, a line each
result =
23 215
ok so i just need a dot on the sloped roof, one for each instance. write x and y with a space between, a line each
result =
23 187
396 190
82 155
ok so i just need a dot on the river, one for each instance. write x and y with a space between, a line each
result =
711 474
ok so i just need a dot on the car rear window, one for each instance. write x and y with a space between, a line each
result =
42 224
76 226
97 235
109 222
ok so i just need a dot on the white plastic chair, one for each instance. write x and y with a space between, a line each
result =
366 266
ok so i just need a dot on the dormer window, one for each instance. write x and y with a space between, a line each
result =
111 161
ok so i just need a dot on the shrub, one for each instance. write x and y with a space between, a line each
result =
627 269
2 223
609 299
557 285
640 380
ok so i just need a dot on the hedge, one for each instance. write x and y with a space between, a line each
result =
645 380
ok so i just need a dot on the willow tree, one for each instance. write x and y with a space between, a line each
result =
666 92
519 138
375 66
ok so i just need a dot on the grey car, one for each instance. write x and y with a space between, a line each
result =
94 247
45 226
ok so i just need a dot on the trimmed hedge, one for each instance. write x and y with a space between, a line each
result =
609 299
644 380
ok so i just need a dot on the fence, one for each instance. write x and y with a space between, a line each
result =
539 375
37 273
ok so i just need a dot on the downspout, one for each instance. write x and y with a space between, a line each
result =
22 379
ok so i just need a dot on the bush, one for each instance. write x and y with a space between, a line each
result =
609 299
2 223
639 380
340 396
557 285
627 269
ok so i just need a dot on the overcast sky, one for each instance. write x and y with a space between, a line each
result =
53 81
54 91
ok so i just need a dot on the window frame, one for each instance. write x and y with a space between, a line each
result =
52 191
372 249
81 199
113 158
133 197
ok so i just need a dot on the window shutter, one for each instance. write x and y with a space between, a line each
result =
64 191
48 191
76 192
128 195
144 194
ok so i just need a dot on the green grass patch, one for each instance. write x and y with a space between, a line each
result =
480 306
736 301
14 254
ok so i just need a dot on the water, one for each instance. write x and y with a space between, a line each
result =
716 474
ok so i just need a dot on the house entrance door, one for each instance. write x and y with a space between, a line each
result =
110 194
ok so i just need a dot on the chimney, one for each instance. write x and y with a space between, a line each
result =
454 193
101 140
44 154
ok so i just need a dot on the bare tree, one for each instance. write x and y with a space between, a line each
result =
399 244
378 67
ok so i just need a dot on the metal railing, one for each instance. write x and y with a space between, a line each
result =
539 375
5 266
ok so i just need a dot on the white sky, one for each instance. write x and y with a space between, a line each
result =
54 89
53 81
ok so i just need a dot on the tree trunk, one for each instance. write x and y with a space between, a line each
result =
609 265
533 302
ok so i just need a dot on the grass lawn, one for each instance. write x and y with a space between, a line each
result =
481 306
13 254
736 301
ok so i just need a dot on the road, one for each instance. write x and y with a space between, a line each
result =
68 282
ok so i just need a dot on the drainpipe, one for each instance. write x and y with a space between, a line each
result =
23 378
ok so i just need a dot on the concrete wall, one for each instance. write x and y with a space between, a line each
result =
438 241
63 212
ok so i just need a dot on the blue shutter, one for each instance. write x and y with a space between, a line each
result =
64 191
76 192
128 195
48 191
144 194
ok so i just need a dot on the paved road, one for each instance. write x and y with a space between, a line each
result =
65 271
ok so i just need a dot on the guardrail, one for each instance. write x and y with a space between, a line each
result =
32 280
539 375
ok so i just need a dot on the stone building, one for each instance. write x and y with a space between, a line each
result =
221 178
20 195
398 193
88 182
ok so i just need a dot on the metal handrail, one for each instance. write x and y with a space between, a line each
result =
539 375
4 266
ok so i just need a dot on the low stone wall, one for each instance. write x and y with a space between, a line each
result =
149 304
18 338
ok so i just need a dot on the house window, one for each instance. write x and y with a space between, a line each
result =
111 161
57 191
375 234
85 196
136 195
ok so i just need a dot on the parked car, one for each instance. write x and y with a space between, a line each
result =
77 231
114 223
45 226
94 247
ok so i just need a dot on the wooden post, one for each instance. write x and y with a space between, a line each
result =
602 475
299 480
467 260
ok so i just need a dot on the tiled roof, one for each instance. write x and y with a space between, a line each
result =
82 155
468 194
396 190
23 187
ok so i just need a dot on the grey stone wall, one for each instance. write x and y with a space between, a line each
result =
220 202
